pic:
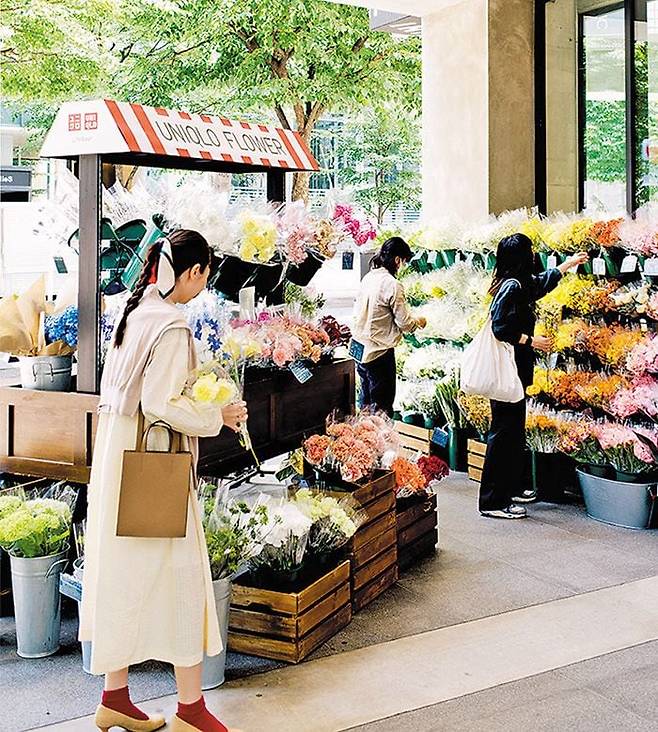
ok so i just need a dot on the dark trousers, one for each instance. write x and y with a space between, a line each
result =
505 470
378 382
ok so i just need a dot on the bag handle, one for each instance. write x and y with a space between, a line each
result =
142 435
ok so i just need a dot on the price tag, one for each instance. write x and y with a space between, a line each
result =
551 262
440 437
458 257
643 325
247 297
433 258
300 372
598 266
356 350
629 263
651 266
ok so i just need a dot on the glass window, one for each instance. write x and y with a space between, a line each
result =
603 157
646 96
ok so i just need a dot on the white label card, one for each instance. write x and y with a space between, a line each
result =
551 262
598 266
248 303
629 263
433 258
651 266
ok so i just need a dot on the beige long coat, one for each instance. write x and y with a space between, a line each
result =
148 598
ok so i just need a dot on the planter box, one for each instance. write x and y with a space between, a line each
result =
475 456
417 529
287 626
630 505
372 551
414 438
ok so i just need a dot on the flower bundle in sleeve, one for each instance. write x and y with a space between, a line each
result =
359 228
643 358
476 411
409 478
36 527
63 326
623 449
578 440
543 430
285 543
335 521
235 532
257 234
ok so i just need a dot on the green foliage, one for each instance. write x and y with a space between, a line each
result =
309 303
380 149
37 528
233 536
605 140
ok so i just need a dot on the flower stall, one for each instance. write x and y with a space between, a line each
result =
595 395
51 434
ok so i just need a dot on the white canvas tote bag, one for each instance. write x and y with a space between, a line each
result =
488 367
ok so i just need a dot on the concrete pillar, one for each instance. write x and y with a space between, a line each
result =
561 106
478 108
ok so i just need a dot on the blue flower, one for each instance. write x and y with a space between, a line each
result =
63 327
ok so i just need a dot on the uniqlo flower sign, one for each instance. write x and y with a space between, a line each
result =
106 127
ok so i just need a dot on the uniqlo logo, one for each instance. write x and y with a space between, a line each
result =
75 122
91 121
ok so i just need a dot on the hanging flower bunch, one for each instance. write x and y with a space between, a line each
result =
360 229
623 449
257 234
579 441
543 429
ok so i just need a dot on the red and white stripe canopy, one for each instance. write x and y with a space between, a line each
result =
106 127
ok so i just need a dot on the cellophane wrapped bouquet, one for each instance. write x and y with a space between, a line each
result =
419 477
354 447
36 524
235 530
334 520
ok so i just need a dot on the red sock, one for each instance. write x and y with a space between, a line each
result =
119 701
198 716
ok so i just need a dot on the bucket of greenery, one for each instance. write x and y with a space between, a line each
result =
35 533
234 532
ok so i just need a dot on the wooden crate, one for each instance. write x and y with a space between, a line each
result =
414 439
417 530
476 452
372 551
287 626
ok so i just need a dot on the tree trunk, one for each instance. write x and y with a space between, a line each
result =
301 186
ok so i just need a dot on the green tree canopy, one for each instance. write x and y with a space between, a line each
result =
380 151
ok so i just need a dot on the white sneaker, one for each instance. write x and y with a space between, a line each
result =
511 512
527 496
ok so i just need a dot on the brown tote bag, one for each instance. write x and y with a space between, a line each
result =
155 487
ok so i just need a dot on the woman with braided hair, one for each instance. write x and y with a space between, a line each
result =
149 598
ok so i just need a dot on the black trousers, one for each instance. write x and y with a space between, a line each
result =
378 382
505 473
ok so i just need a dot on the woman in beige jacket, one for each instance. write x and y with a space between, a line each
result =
151 598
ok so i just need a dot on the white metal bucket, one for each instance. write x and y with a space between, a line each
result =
37 603
46 373
214 666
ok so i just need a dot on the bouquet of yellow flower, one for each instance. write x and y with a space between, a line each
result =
543 428
476 410
258 237
211 385
599 390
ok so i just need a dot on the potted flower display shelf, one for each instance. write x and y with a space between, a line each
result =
417 529
287 626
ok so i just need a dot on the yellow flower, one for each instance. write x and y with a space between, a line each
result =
205 388
226 392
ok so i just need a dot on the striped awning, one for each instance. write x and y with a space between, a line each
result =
106 127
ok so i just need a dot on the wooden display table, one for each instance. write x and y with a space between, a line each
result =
51 434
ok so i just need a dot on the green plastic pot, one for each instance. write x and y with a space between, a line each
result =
490 261
458 449
449 256
623 477
600 471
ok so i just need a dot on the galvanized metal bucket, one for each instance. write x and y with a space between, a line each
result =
46 373
616 502
214 666
37 603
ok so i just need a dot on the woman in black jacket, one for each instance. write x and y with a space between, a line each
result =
515 290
